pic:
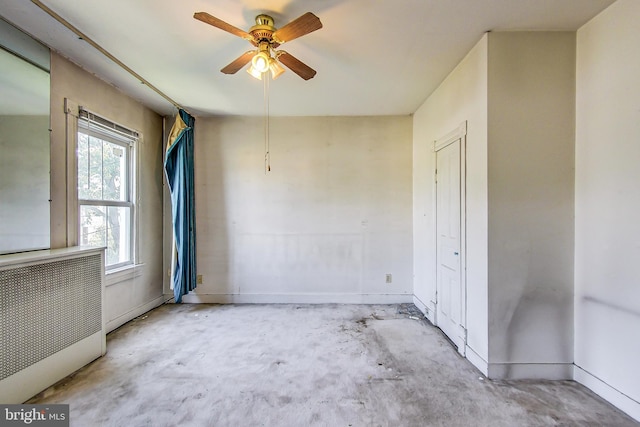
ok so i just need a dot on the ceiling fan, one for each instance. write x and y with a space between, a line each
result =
266 38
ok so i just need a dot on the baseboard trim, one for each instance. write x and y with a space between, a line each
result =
526 371
132 314
194 298
620 400
477 361
429 312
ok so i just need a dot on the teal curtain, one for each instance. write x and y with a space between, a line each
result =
179 169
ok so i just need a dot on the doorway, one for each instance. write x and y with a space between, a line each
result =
450 236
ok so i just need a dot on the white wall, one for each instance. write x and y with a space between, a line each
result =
325 225
516 92
607 255
530 177
462 96
133 292
24 183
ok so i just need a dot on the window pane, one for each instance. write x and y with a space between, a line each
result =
102 169
108 226
83 166
119 231
94 192
93 229
114 177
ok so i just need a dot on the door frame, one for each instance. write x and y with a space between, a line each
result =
459 133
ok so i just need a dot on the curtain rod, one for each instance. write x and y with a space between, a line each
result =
106 53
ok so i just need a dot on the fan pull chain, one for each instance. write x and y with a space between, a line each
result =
267 154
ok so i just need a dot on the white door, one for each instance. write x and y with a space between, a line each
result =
450 292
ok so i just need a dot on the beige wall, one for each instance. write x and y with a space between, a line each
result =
607 267
134 292
462 96
530 187
329 221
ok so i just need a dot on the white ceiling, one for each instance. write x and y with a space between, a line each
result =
373 57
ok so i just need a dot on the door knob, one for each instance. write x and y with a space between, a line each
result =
455 253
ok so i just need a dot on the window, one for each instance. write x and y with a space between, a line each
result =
105 187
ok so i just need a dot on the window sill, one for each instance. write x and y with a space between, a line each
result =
123 274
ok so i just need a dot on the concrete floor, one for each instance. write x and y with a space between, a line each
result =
305 365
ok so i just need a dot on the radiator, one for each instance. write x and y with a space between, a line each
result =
51 318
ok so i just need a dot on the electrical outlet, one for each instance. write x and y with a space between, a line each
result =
389 277
199 279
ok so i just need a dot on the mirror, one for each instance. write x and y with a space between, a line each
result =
24 142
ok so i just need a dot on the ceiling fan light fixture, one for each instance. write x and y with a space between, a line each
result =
253 72
261 61
276 68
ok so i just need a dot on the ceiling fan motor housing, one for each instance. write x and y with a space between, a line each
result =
263 30
263 19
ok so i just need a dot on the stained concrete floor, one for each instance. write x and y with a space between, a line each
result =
305 365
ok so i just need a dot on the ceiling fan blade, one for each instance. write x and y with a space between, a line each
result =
236 65
219 23
297 66
305 24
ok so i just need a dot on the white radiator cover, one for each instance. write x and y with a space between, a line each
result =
51 317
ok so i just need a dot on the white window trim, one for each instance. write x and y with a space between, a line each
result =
72 115
123 274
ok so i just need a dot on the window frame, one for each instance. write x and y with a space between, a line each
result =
105 130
